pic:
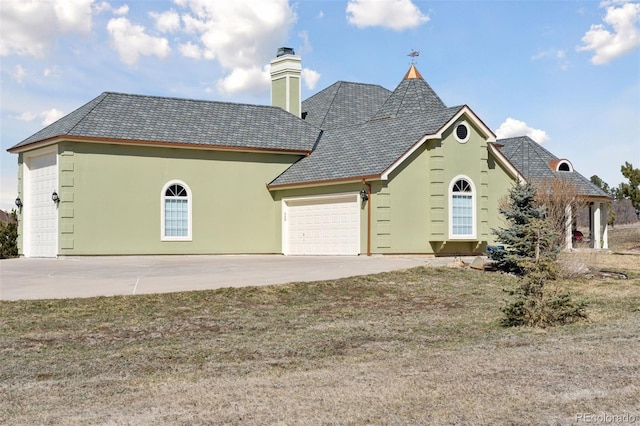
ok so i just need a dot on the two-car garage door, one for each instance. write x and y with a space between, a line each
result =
322 225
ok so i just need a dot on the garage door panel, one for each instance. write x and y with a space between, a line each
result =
327 226
41 236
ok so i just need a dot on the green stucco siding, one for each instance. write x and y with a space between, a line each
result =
411 211
294 96
111 199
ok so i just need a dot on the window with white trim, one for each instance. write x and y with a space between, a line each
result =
462 208
176 212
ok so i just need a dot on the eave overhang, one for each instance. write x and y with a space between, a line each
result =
310 184
160 144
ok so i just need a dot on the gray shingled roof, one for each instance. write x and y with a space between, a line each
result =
412 96
364 150
532 161
344 104
410 112
171 120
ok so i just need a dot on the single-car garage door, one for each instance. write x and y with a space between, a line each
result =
40 213
322 226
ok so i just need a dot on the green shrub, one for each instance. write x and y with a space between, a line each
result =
9 237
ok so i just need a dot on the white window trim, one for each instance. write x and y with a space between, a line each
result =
561 162
455 131
188 237
474 201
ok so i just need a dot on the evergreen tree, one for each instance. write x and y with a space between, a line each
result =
531 252
518 211
630 190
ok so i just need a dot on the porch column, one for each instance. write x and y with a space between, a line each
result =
568 232
595 223
591 225
605 230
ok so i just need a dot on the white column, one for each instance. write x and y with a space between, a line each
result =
595 235
605 230
591 224
568 234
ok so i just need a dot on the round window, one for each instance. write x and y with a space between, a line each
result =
462 132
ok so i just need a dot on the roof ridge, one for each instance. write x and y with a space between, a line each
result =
175 98
333 99
102 97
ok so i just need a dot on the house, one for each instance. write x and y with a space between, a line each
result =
354 169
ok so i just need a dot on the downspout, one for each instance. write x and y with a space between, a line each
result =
364 182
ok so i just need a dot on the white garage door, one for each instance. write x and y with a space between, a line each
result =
41 230
322 226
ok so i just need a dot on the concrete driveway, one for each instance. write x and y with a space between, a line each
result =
120 275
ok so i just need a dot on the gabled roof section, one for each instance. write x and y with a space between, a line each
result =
412 96
344 104
160 120
364 151
534 164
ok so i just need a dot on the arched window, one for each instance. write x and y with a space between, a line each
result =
176 212
462 208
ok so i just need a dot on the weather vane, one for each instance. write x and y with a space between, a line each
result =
414 54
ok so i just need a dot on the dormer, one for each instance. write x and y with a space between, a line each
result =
561 165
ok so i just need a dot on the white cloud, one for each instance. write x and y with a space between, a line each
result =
306 44
395 14
26 116
512 128
242 35
310 78
239 33
51 116
48 116
559 55
106 7
19 73
167 22
131 41
122 10
31 27
625 37
252 80
190 50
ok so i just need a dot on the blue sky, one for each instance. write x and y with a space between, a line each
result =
567 73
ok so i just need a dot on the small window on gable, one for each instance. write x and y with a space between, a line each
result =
462 132
176 212
564 167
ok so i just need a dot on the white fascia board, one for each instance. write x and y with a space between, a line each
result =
489 135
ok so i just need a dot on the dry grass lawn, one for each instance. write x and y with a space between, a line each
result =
420 346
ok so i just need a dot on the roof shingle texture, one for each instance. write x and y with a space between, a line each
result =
532 161
171 120
344 104
412 111
366 149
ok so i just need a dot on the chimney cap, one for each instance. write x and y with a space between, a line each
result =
285 51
